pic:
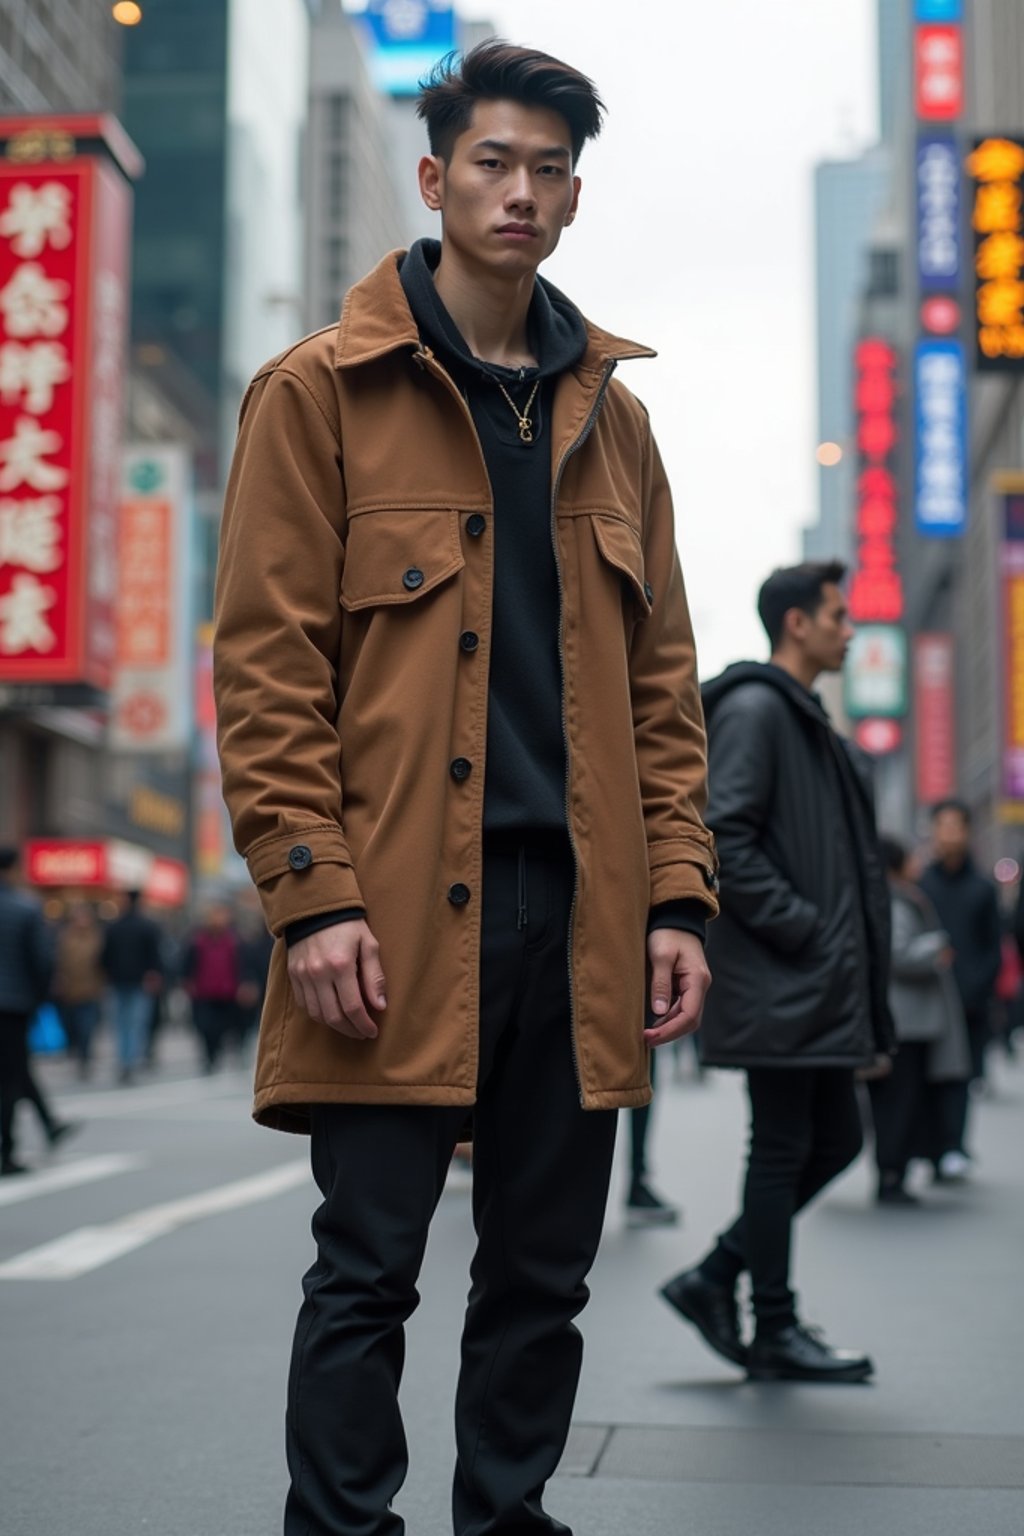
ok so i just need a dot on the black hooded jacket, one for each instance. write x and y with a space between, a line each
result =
800 952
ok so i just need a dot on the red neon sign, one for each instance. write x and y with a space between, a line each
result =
876 590
938 73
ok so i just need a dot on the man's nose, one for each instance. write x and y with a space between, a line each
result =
520 191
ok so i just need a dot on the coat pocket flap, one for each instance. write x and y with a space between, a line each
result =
398 557
620 546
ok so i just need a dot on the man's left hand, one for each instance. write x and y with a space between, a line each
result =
679 982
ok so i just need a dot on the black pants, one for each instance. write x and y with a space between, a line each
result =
639 1130
540 1182
16 1080
897 1102
214 1019
804 1130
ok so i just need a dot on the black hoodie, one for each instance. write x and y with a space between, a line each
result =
800 953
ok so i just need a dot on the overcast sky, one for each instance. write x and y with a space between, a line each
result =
695 237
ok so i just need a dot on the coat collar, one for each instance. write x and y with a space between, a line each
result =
376 319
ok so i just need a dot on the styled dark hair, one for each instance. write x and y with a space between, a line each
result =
951 803
795 586
894 853
499 71
8 858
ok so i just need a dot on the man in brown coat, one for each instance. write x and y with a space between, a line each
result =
464 755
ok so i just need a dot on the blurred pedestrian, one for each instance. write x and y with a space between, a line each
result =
212 976
968 909
256 946
26 970
645 1207
491 605
800 958
132 961
930 1028
79 981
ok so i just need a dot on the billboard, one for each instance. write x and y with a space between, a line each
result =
938 72
876 587
150 708
996 168
875 673
1010 511
938 10
938 213
934 717
940 447
406 38
64 248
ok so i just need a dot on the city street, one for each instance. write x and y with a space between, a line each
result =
149 1276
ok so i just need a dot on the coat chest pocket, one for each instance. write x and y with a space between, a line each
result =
619 545
398 557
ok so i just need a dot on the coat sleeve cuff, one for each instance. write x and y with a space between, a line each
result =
301 873
684 870
686 916
307 926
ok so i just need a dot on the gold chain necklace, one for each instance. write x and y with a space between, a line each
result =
522 416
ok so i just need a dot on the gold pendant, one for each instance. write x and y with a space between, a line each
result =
525 435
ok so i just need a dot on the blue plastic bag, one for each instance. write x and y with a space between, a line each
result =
46 1033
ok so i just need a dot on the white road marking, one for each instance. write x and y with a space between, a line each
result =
67 1175
89 1248
134 1102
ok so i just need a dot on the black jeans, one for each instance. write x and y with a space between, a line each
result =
16 1080
896 1105
540 1182
804 1130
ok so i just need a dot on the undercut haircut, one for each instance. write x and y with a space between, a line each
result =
499 71
796 586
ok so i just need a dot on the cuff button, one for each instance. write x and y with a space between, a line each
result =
300 857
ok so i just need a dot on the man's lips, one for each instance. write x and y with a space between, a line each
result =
523 231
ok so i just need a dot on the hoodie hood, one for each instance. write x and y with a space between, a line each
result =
557 331
766 672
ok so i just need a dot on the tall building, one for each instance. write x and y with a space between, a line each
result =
353 207
848 197
217 107
59 56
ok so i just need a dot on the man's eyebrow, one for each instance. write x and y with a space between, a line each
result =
552 152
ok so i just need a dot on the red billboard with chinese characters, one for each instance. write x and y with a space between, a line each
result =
938 73
876 587
65 224
934 717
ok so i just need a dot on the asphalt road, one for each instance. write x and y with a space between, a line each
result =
149 1277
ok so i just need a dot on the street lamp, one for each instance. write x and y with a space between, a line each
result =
828 455
127 13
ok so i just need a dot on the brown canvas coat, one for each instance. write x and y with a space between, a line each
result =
351 661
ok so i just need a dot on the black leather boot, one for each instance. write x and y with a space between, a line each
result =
796 1353
711 1309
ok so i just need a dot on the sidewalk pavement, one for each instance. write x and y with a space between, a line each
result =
671 1439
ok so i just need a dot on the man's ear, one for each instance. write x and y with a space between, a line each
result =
431 178
575 204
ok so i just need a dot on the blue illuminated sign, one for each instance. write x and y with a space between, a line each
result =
940 449
938 10
938 214
406 38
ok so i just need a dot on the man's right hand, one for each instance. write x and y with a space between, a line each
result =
336 976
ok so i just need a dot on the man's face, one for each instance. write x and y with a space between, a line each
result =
824 636
508 190
951 835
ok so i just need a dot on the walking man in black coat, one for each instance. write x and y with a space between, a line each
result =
800 958
26 968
